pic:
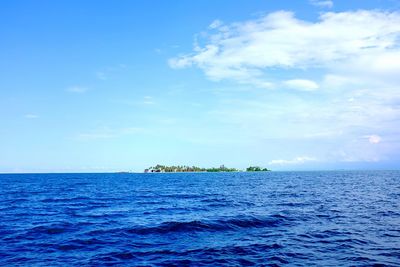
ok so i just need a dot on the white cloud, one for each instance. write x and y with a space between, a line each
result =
215 24
373 139
101 75
351 58
249 52
108 133
77 89
301 84
323 125
31 116
322 3
297 160
110 72
148 100
334 81
324 134
94 135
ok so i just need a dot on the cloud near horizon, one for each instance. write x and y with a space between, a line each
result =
296 160
337 74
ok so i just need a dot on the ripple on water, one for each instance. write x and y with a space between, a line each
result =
219 219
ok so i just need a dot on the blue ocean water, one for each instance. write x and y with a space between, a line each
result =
201 219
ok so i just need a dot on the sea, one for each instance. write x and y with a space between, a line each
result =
328 218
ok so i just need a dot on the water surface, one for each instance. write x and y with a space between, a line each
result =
201 219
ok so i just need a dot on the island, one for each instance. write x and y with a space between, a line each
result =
184 168
257 169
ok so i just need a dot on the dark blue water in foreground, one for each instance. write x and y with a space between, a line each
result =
201 219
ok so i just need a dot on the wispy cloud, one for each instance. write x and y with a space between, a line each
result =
296 160
322 3
373 139
148 100
95 135
301 84
108 133
77 89
101 75
109 72
31 116
215 24
141 101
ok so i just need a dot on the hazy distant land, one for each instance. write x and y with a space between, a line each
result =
222 168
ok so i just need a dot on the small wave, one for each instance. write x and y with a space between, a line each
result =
220 205
294 204
212 226
57 200
181 196
56 228
68 247
53 229
113 257
214 256
90 241
213 200
151 202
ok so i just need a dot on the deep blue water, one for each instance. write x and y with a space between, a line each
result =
201 219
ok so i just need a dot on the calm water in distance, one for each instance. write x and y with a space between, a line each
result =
346 218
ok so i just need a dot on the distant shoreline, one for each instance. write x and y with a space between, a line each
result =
183 168
141 172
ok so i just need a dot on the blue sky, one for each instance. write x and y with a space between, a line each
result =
123 85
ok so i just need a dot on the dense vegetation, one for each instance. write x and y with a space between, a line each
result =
162 168
256 169
222 168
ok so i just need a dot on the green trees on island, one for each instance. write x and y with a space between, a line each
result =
184 168
256 169
162 168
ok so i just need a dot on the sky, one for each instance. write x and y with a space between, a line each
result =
100 86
